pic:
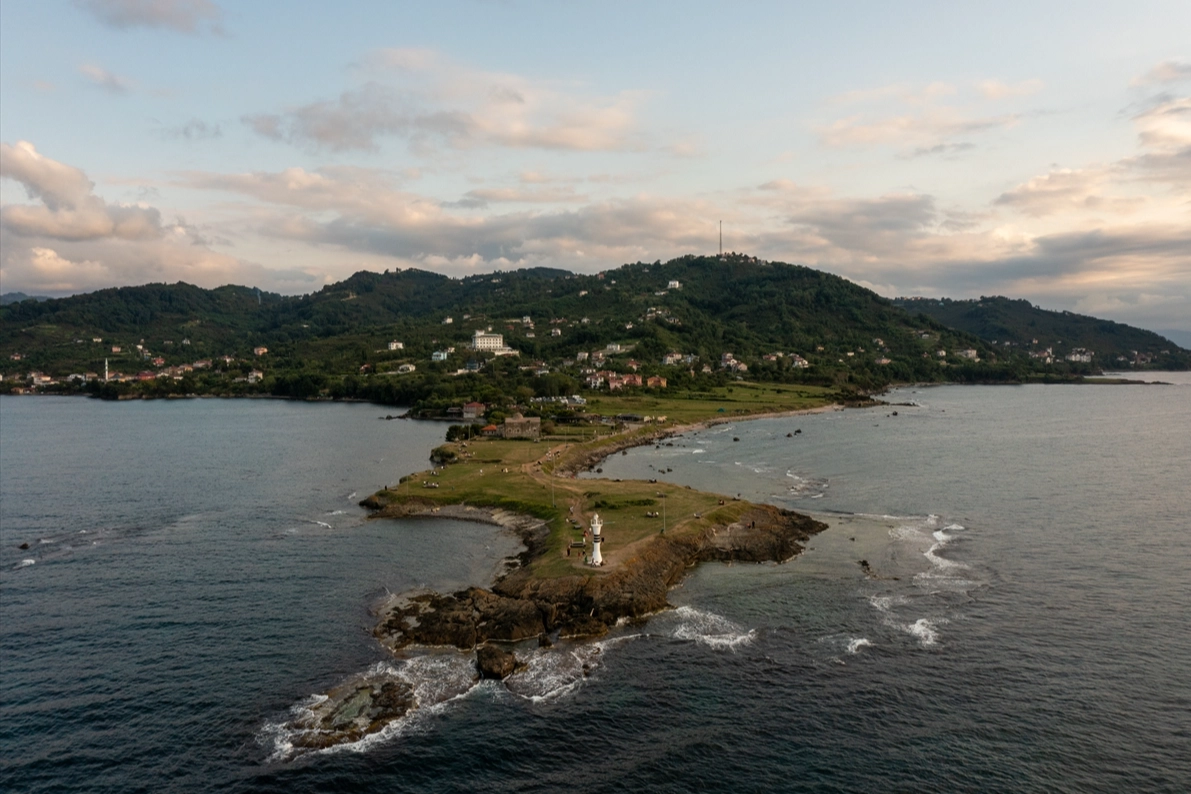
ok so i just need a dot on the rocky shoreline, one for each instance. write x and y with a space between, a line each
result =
522 606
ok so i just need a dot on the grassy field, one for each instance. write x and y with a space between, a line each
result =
518 475
697 406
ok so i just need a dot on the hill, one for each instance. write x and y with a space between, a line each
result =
700 322
17 297
1005 322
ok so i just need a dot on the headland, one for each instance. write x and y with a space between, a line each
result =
654 532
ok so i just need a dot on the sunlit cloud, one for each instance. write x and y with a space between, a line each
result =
1169 71
439 103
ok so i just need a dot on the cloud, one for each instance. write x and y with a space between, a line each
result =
69 209
182 16
995 89
522 196
193 130
925 129
942 149
922 121
1055 191
104 79
72 240
437 103
1172 70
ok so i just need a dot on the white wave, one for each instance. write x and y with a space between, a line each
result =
318 523
436 680
46 541
351 495
336 512
710 629
954 527
924 631
24 564
886 603
907 532
858 643
698 451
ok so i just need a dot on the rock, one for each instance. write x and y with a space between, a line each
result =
494 663
23 546
544 641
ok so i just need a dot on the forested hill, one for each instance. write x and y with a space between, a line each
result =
699 307
998 320
737 305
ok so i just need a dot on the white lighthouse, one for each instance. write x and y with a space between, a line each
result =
596 540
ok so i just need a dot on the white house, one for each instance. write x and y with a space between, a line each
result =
674 285
439 355
396 345
482 340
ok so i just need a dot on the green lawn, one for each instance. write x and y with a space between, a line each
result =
517 475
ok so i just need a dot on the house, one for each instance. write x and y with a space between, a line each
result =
395 345
518 426
798 361
405 369
613 347
670 359
260 351
488 342
491 431
556 332
439 355
255 376
673 285
117 349
159 362
968 354
884 361
474 410
448 320
472 365
656 382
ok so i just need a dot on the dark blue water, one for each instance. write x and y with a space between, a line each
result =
207 572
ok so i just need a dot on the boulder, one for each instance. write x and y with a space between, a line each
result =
494 663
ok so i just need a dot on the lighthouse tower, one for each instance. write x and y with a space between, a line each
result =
596 540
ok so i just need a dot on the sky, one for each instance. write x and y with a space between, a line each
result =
1039 150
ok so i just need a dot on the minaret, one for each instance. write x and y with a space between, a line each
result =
596 540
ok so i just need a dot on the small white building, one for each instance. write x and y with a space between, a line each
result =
396 345
439 355
674 284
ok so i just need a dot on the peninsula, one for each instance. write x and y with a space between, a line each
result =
653 532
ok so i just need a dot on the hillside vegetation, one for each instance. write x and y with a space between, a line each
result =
335 342
1007 322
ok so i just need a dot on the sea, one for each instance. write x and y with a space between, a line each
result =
1001 604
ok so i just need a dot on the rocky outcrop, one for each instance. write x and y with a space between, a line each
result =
352 712
523 605
494 663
